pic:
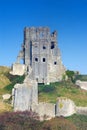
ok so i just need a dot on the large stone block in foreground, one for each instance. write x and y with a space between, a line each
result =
65 107
25 95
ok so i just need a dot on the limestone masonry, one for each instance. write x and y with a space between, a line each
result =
41 56
41 64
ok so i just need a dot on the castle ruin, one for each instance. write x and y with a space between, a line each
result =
41 56
41 64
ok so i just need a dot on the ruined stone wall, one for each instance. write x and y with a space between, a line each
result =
81 110
25 95
41 54
39 38
45 110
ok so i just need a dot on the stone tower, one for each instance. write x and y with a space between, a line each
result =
41 55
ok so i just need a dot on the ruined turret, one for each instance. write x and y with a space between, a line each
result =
41 56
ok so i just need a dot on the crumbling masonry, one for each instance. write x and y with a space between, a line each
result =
41 64
41 56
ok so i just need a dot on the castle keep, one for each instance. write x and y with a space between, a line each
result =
41 56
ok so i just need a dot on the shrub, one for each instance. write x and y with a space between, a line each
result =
19 121
14 79
58 124
70 74
46 88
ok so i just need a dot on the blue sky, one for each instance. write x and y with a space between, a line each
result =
68 17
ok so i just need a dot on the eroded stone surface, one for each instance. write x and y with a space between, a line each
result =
45 111
81 110
25 95
65 107
40 53
18 69
6 96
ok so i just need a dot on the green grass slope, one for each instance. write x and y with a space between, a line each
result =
7 82
49 93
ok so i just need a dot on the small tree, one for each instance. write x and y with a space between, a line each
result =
70 74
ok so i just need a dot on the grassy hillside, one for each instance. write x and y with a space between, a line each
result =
3 78
7 82
49 93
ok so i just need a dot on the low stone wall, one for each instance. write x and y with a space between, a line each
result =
81 110
25 97
82 84
45 111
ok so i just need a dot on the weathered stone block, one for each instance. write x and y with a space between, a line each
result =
18 69
45 111
6 96
24 96
65 107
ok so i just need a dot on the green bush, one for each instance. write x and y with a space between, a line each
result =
46 88
14 79
58 124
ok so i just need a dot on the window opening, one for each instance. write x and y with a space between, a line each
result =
44 59
44 47
55 63
52 45
36 59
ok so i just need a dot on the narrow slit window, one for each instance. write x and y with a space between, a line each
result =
52 45
44 59
55 63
